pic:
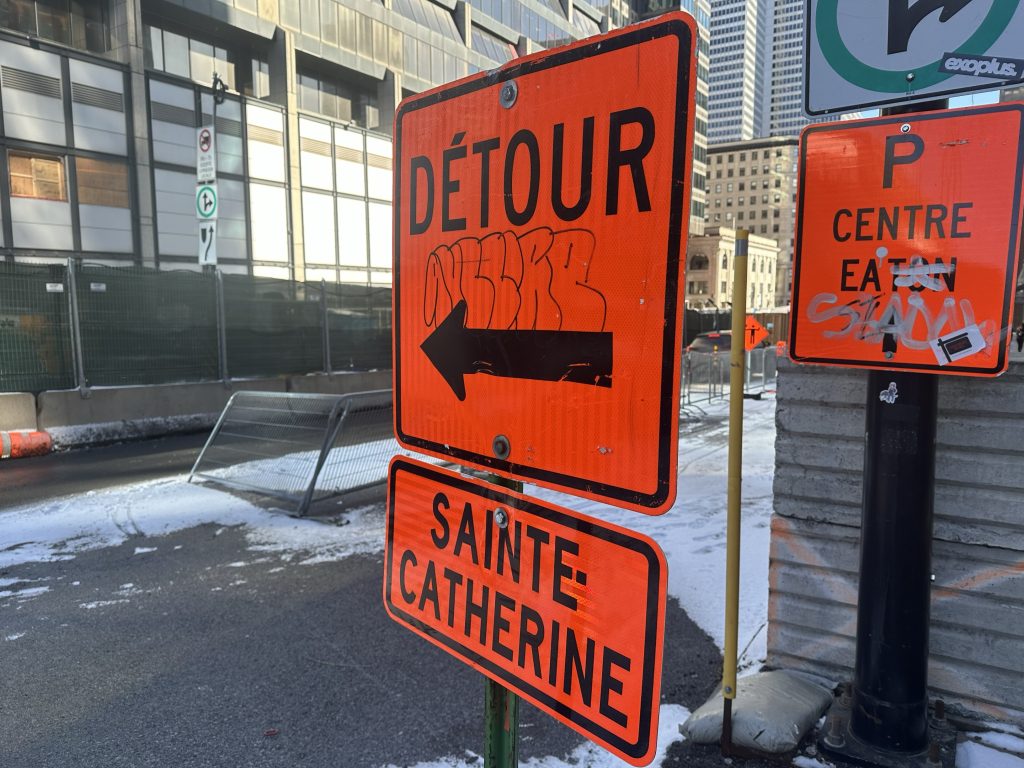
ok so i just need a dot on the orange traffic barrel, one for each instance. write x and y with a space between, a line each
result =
15 445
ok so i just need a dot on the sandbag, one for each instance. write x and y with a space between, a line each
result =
771 713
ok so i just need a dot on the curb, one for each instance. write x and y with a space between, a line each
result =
16 445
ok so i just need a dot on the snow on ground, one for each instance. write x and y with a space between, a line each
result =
692 535
58 528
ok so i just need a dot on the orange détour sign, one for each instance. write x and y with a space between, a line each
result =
566 610
908 241
541 212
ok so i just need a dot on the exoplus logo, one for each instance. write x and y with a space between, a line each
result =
981 66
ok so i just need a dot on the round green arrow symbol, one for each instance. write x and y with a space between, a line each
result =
853 70
206 201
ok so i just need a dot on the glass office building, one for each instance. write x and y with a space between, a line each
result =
101 99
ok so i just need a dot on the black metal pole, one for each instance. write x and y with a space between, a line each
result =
890 684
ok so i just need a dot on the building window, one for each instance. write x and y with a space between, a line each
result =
37 176
70 22
699 261
102 182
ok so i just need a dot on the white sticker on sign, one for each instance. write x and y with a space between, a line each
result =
958 344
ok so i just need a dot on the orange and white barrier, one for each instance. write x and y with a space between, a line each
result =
15 445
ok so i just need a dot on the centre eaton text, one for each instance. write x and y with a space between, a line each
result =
908 223
529 165
536 565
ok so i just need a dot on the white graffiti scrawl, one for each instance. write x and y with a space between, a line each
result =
906 319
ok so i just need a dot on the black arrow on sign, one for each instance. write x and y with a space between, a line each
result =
582 357
904 18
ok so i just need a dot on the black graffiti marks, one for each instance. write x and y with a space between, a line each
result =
517 306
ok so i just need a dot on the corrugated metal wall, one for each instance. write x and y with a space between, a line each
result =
977 629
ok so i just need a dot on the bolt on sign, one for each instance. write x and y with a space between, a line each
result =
566 610
864 53
908 235
541 214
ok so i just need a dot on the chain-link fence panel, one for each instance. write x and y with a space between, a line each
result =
143 326
359 323
272 327
706 375
35 335
300 448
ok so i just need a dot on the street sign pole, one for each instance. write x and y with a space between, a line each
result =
501 706
888 716
890 683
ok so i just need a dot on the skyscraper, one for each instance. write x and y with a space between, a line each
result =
739 70
701 11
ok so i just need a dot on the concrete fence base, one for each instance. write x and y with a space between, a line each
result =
111 414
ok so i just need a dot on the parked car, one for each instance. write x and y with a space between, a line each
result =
711 341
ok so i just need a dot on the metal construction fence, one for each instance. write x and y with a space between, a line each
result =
706 374
300 448
84 325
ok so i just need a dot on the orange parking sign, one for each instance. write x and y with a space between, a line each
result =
908 238
566 610
541 213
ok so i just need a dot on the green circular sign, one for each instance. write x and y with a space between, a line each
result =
206 201
855 71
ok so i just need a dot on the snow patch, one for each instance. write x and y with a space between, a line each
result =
970 754
586 754
101 604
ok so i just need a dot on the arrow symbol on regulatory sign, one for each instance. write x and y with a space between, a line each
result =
904 18
582 357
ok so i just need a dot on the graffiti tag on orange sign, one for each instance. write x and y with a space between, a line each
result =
566 610
908 237
540 217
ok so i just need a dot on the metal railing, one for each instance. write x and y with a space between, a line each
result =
706 374
300 448
84 325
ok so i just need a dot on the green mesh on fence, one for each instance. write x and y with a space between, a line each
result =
273 327
359 319
35 338
141 326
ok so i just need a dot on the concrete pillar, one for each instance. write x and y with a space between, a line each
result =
464 22
128 47
524 46
567 8
389 93
283 91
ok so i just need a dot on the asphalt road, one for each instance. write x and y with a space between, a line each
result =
23 481
204 654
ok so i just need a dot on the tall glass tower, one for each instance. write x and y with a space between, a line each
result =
739 70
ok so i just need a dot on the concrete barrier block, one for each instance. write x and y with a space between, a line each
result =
178 406
340 383
17 411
